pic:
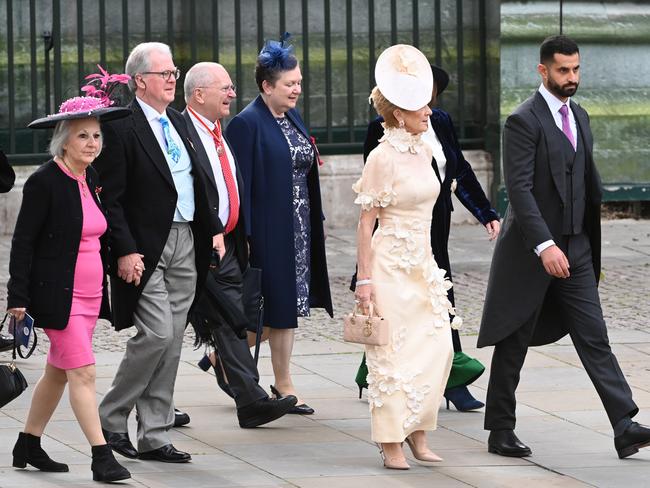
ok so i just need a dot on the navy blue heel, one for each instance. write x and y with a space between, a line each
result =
462 399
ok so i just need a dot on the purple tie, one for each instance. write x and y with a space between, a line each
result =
566 126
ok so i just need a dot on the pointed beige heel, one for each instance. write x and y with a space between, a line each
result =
424 455
392 463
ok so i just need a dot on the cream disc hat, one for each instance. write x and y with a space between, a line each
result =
403 75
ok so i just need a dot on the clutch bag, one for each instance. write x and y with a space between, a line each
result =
370 329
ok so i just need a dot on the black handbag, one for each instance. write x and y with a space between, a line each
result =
12 381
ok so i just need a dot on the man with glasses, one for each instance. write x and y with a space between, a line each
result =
209 92
160 241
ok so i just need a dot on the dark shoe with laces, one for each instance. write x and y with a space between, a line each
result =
180 418
634 438
120 443
28 450
105 467
506 443
264 411
302 409
166 454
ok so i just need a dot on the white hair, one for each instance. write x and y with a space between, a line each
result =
199 75
139 59
60 139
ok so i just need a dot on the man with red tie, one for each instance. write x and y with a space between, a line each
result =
208 94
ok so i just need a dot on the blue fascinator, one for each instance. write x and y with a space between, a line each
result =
277 55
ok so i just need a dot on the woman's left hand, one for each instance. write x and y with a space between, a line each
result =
18 312
364 295
493 227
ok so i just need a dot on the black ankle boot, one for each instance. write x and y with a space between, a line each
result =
28 450
105 467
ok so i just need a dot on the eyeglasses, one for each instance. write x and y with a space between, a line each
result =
223 89
166 75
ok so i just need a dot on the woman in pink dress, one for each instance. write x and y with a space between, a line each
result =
58 277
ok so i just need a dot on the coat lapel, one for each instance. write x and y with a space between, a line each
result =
439 130
197 144
555 161
149 142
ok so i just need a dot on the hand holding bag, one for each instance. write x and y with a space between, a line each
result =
370 329
12 381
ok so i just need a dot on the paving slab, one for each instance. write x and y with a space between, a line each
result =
559 414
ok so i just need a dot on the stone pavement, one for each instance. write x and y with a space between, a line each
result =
560 415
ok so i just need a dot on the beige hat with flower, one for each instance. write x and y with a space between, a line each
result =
403 75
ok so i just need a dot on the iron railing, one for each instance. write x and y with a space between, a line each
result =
48 46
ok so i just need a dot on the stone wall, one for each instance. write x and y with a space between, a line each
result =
337 176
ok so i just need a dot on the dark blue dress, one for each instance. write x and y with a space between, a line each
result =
302 157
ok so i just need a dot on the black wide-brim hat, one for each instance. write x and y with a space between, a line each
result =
7 175
441 79
102 114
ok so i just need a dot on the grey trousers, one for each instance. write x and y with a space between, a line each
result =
146 376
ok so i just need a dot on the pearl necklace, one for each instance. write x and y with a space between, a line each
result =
80 179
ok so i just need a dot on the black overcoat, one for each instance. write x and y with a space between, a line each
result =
45 245
263 156
534 173
468 189
140 198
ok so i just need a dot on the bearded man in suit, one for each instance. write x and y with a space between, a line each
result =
546 264
161 234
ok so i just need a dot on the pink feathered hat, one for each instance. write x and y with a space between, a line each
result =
97 103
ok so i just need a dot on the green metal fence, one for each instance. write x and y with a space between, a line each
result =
48 46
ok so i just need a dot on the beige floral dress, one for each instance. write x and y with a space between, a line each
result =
407 377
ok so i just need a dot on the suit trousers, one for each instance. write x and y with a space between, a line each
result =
238 363
579 303
146 376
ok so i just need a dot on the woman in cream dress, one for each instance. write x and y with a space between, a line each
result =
398 274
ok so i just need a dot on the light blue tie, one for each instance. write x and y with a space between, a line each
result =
172 148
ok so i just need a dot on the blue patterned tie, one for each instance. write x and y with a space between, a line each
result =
172 148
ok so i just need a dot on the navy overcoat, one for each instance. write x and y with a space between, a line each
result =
267 171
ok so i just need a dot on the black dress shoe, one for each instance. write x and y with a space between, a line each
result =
180 418
120 443
166 454
506 443
264 411
302 409
634 438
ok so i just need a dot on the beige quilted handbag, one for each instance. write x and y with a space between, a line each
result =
368 329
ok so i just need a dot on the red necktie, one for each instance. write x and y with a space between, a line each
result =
233 198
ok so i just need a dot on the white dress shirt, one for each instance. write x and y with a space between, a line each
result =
431 138
211 151
554 105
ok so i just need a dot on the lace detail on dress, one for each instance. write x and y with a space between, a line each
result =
410 254
385 379
371 198
402 140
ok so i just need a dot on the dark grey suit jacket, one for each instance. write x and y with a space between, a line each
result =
534 174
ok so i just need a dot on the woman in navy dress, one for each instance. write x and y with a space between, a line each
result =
282 206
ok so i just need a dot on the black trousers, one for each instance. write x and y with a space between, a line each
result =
238 363
577 297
